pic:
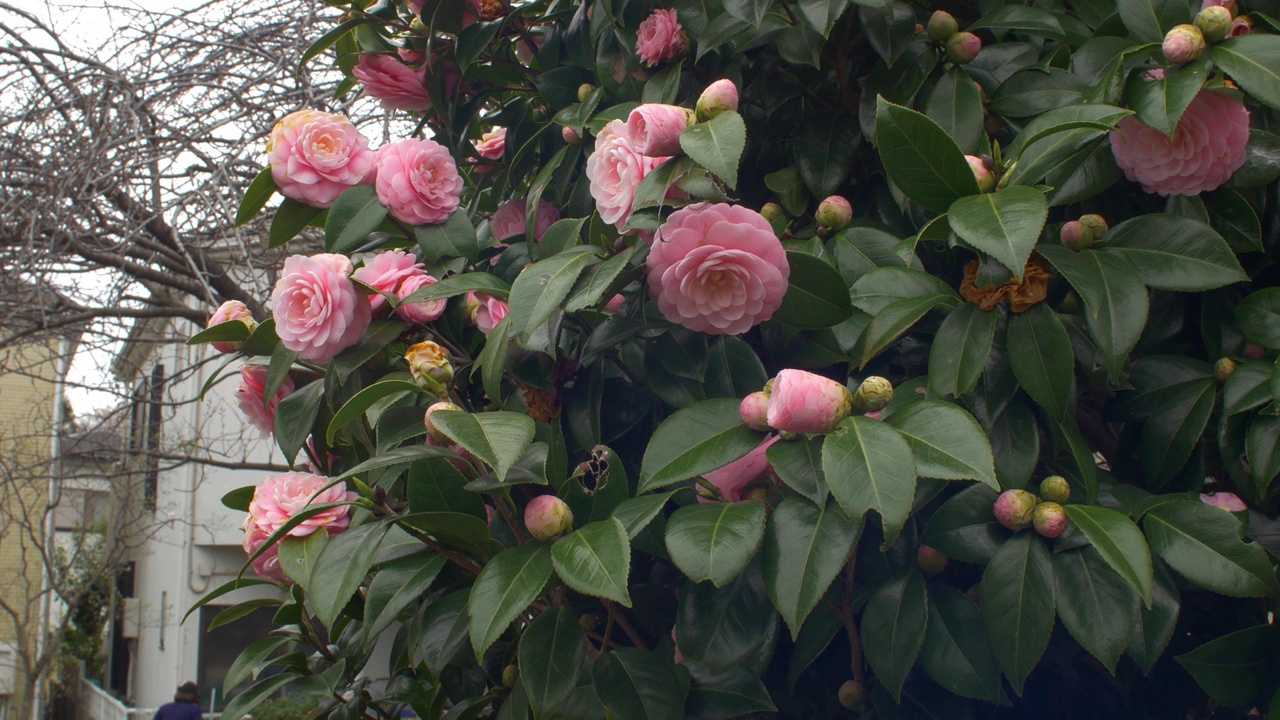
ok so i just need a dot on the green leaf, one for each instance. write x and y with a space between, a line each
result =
960 350
298 556
1022 18
816 294
1160 102
956 653
1017 605
497 438
1045 362
877 288
240 610
363 400
598 279
399 456
1203 544
1262 445
1015 444
291 216
715 541
1258 316
1154 628
540 289
702 437
921 158
638 685
1248 387
736 692
1037 90
295 415
461 285
239 499
722 627
1119 542
1237 669
595 560
1004 225
893 628
456 237
506 586
552 655
1252 61
230 331
947 443
1149 20
717 145
965 528
1169 438
493 358
356 213
956 105
814 638
826 156
798 464
1232 216
805 547
868 467
1096 605
443 630
256 196
896 318
859 250
1172 252
253 696
635 514
395 587
342 566
251 661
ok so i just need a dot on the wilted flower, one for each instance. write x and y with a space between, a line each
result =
1021 295
430 366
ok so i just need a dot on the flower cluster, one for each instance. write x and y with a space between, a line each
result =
278 500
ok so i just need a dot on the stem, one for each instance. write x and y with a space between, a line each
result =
850 627
501 502
430 542
616 615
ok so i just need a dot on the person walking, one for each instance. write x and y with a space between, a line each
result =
185 705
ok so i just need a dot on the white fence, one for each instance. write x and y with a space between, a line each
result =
97 704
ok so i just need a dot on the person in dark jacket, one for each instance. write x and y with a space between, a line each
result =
185 705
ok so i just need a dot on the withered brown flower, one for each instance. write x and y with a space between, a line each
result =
1021 295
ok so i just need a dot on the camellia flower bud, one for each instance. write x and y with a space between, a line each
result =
754 410
231 311
802 402
872 395
1084 233
1014 508
430 366
771 211
1225 500
720 96
1183 44
588 622
1240 26
1215 22
584 91
1050 519
1224 368
986 179
431 428
547 517
963 47
510 674
852 695
570 135
942 26
1055 488
834 213
930 561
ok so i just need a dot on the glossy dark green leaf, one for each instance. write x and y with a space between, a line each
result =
444 630
956 653
860 249
715 541
798 464
1160 102
493 358
697 439
461 285
435 485
1252 61
1045 362
1022 18
395 587
290 218
251 661
363 400
1015 444
1018 604
1114 298
356 213
1238 669
1172 252
1262 444
1235 219
896 318
1149 20
721 627
595 560
805 547
868 467
455 237
920 158
638 685
552 654
295 415
946 441
1004 225
717 145
635 514
497 438
965 528
825 158
1037 90
1202 543
817 296
956 106
893 628
1258 316
597 279
960 350
254 695
540 289
256 196
816 635
1097 606
1169 438
735 692
1154 628
1119 542
231 331
341 567
507 585
878 288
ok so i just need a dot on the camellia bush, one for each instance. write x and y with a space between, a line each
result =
774 358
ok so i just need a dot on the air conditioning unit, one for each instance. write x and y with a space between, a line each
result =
130 617
8 669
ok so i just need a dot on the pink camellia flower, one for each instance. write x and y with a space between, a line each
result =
717 269
485 311
492 144
1225 500
471 11
509 220
384 272
615 303
802 402
396 85
655 128
419 313
418 181
251 394
267 565
660 38
754 411
336 262
981 173
1207 147
314 156
231 311
615 170
278 498
733 479
1228 4
318 312
1240 26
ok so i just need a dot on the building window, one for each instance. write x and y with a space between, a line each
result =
151 473
220 647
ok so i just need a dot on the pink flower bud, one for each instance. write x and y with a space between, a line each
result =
872 395
231 311
655 129
942 26
930 561
1050 519
1224 368
720 96
615 303
802 402
1225 500
1230 5
1183 44
1240 26
1253 352
423 311
434 433
986 179
834 213
1014 508
1055 488
754 410
548 517
570 135
963 47
1215 22
430 366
